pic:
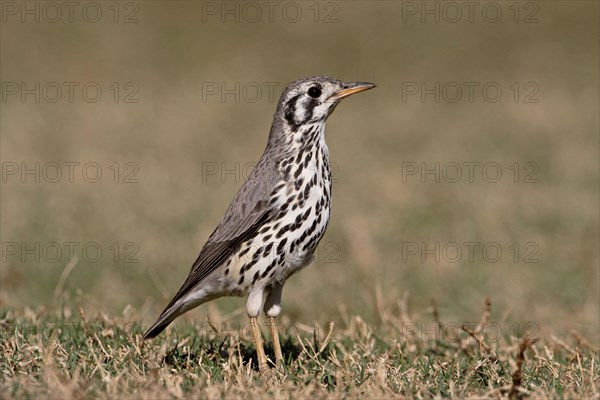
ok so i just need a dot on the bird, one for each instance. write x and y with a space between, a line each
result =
275 222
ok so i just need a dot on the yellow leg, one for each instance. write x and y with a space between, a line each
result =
276 344
260 351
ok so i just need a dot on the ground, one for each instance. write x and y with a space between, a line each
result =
45 355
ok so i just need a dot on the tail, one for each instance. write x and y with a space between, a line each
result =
167 316
180 304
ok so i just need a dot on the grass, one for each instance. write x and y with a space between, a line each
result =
59 355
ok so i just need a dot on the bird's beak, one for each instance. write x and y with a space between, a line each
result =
351 88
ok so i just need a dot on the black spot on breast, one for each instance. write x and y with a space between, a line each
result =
244 252
289 200
267 249
269 268
278 187
306 191
314 240
315 134
283 230
281 245
255 278
313 226
306 213
298 171
254 260
298 219
307 159
243 268
309 131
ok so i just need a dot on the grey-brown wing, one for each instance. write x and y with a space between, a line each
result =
247 213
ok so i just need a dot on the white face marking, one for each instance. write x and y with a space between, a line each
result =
312 101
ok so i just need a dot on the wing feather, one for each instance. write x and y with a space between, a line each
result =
247 213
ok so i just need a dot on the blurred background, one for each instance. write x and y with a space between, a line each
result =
472 171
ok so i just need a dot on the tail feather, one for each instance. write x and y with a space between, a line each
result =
162 322
180 304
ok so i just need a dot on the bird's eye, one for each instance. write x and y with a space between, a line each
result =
314 91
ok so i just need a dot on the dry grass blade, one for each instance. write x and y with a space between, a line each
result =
516 391
63 278
98 354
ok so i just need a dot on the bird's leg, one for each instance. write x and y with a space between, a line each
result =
253 305
276 344
258 342
272 309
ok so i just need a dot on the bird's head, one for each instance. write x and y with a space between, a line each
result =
312 100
